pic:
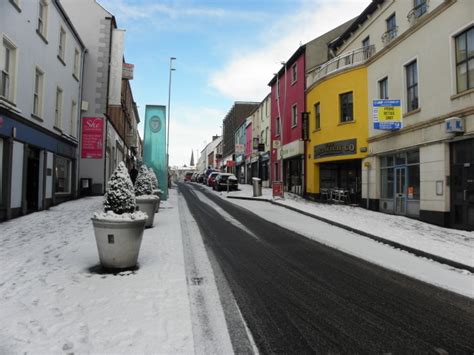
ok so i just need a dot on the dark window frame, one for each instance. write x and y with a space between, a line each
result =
411 71
464 61
383 88
346 107
317 115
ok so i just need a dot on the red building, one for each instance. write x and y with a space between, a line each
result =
288 101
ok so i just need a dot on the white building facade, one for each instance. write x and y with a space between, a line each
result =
41 66
424 57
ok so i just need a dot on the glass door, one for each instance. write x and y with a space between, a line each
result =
400 190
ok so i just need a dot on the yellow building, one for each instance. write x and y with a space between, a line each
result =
337 101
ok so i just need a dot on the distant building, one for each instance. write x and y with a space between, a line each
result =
41 69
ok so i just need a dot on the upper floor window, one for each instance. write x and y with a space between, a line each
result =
278 88
366 47
465 60
277 126
294 116
392 28
77 63
412 86
420 7
383 88
346 107
7 66
62 44
317 115
42 17
294 73
38 93
58 109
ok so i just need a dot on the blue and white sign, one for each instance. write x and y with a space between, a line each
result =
387 114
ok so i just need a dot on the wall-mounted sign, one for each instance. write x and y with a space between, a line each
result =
155 124
305 126
346 147
261 147
276 144
387 114
92 137
292 149
127 71
453 125
230 163
239 149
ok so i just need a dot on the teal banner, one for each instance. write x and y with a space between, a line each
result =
154 146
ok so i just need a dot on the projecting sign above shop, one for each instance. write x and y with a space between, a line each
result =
387 114
346 147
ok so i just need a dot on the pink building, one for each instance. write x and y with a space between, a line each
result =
288 101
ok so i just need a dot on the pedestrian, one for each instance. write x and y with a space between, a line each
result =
133 174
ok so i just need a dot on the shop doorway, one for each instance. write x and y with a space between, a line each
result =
462 186
400 190
32 179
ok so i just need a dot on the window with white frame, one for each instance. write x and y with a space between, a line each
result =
73 118
277 126
294 73
77 63
38 93
58 109
383 88
62 175
8 65
411 71
62 44
391 27
465 60
266 135
294 115
42 17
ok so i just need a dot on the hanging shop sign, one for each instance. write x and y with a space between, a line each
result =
276 144
230 163
92 137
261 147
305 126
346 147
255 143
387 114
239 149
127 71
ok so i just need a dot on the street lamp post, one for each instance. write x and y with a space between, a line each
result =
169 114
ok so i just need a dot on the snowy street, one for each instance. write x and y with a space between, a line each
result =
213 278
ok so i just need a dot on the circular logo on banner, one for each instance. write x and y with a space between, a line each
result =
155 124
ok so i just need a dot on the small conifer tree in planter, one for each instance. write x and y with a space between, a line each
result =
146 201
119 228
156 189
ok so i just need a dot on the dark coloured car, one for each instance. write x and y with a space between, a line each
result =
226 181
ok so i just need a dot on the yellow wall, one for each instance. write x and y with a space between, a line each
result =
327 94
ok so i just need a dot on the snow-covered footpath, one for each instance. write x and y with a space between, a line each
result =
53 301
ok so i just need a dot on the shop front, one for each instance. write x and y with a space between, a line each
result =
263 171
240 168
462 184
293 167
400 183
342 175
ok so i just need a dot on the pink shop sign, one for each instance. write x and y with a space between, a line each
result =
92 137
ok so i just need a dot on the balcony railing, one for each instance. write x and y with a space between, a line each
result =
388 36
345 60
417 12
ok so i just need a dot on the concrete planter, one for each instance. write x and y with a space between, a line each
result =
118 241
147 204
157 192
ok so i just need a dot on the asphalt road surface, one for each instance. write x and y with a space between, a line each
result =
298 296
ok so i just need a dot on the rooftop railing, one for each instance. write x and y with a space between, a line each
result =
343 61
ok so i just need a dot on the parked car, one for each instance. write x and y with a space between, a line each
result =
187 177
224 180
212 178
193 178
200 178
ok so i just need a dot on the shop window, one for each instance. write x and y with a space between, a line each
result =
62 175
346 107
413 156
413 189
387 185
400 159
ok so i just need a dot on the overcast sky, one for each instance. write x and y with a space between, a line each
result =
226 50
